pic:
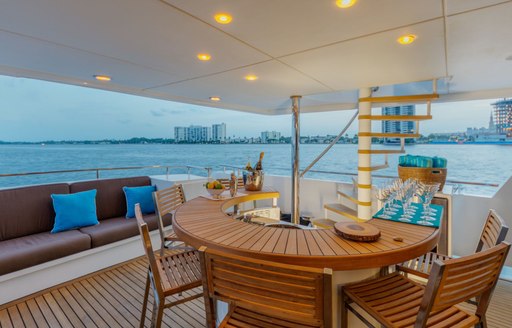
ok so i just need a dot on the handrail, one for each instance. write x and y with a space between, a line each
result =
482 184
98 170
330 145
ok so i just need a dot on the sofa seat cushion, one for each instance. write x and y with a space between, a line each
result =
23 252
115 229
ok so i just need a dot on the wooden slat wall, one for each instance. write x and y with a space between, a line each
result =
120 291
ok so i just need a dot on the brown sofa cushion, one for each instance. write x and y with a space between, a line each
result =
28 210
115 229
110 200
23 252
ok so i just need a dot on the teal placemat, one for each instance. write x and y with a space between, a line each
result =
416 217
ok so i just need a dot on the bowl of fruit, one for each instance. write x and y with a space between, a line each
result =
214 188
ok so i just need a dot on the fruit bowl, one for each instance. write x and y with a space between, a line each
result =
215 192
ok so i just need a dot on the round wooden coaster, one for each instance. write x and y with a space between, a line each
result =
357 231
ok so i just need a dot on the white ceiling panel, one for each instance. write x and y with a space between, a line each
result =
477 52
29 54
149 33
287 26
377 59
459 6
272 90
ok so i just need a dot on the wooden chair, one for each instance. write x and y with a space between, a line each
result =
166 203
167 275
493 233
396 301
225 183
265 294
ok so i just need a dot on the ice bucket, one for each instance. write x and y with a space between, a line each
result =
254 181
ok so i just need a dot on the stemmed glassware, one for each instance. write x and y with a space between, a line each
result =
426 192
385 195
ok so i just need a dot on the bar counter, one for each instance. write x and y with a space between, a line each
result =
203 222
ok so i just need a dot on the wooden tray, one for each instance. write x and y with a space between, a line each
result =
357 231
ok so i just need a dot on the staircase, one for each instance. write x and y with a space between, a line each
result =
356 204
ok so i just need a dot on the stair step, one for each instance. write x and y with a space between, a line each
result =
323 223
396 117
342 210
351 197
389 135
381 151
373 168
401 99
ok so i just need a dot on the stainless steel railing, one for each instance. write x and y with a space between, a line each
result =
454 182
167 168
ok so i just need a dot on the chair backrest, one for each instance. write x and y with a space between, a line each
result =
494 231
148 249
166 201
225 182
298 294
461 279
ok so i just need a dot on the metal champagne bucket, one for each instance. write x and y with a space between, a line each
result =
254 180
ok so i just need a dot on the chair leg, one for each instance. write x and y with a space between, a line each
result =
160 314
145 303
153 314
344 311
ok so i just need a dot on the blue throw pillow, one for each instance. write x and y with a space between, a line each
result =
143 196
74 211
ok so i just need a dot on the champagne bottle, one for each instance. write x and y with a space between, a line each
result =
258 166
248 167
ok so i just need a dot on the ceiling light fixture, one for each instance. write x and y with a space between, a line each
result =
223 18
104 78
345 3
204 57
406 39
215 98
251 77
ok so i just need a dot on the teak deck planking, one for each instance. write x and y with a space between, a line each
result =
203 222
121 290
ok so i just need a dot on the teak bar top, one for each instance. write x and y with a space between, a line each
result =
203 222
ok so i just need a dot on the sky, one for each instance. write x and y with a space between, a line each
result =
33 110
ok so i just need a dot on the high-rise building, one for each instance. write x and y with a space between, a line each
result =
219 132
503 116
180 134
270 136
398 126
198 133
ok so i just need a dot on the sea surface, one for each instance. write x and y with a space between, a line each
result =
472 163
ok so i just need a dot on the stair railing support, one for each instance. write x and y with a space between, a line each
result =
364 178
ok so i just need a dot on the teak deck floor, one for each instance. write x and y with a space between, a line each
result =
113 298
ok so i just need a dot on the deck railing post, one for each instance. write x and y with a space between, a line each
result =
97 174
295 159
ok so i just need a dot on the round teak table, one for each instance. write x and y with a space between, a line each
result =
203 222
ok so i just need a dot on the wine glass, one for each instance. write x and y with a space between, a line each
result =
429 192
383 195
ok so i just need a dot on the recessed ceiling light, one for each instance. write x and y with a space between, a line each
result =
406 39
223 18
204 57
104 78
215 98
345 3
251 77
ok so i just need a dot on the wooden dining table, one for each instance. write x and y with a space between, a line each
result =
205 222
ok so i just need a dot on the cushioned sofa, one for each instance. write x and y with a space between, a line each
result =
27 216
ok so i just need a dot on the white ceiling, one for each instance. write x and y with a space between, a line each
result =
296 47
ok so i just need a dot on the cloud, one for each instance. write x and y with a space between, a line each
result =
167 111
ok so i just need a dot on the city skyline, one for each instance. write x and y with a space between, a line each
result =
35 110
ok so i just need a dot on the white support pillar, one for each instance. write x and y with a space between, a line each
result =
364 175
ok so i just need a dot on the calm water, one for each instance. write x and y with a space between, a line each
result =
478 163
